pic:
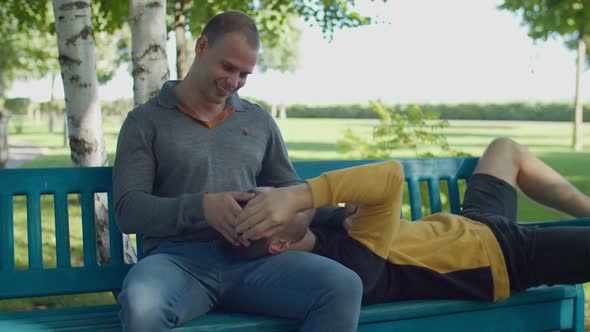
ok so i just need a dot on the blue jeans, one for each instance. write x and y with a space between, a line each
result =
178 282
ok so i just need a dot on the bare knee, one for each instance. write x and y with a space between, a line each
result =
502 159
505 143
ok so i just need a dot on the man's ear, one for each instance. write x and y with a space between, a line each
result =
201 45
277 246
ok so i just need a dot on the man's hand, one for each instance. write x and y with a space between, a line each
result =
221 212
271 210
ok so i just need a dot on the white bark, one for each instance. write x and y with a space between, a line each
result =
578 143
150 62
180 35
148 48
78 70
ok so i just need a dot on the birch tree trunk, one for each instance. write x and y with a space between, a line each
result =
181 47
78 70
578 108
148 48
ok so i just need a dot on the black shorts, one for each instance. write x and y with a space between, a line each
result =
534 255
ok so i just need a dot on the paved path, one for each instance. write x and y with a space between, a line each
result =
20 153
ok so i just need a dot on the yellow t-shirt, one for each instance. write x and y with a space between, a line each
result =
442 243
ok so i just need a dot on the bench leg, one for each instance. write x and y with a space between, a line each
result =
579 310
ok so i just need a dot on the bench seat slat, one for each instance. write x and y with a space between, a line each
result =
403 316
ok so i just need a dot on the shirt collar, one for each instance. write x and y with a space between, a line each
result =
168 99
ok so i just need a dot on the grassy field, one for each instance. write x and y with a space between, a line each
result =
309 139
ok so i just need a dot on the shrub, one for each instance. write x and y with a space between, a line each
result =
399 127
17 105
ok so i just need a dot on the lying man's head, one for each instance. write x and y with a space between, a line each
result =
292 237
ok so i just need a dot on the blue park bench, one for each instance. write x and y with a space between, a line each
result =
559 307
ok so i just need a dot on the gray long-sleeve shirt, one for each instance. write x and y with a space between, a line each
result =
166 160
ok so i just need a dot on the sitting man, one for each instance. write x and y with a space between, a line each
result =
481 254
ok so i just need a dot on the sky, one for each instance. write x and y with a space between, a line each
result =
424 51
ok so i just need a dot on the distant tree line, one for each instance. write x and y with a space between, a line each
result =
510 111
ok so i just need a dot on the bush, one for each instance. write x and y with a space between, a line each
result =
17 105
399 127
117 107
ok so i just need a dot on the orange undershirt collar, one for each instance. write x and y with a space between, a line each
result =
211 123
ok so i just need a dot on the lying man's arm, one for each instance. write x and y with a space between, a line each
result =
375 188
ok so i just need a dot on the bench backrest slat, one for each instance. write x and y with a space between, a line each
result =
454 196
415 197
62 229
88 228
35 247
6 233
115 238
433 189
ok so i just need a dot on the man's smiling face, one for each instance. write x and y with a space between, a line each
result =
225 65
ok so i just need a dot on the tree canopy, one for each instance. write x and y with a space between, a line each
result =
550 18
567 18
29 50
276 21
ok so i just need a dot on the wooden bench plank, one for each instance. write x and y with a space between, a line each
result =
515 313
88 229
6 233
55 281
62 229
34 242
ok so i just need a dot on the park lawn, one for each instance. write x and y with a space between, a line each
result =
306 139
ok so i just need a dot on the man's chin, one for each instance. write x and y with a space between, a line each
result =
217 99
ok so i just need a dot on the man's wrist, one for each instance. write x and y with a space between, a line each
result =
300 197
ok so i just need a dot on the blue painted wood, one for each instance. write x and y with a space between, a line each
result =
57 281
415 198
115 239
519 313
432 170
34 231
6 233
62 229
37 280
88 228
434 195
543 308
454 196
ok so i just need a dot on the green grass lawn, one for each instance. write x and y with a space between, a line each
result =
309 139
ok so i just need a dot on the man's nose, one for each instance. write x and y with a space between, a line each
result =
233 81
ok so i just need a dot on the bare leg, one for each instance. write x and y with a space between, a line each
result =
514 163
